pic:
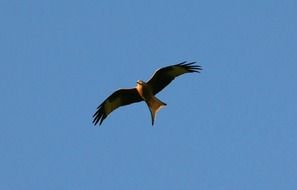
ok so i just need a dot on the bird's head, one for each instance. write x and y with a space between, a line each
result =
140 82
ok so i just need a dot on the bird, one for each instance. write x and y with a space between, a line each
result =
144 91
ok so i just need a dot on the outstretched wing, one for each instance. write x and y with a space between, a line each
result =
119 98
164 76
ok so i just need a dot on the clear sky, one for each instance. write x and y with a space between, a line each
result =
233 126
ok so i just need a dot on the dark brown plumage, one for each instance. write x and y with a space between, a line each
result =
162 77
144 91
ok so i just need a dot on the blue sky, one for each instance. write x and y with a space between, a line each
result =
233 126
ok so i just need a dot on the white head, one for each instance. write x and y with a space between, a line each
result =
140 82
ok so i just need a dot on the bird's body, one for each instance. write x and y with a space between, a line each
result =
153 103
144 91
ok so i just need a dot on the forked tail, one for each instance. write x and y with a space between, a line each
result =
154 105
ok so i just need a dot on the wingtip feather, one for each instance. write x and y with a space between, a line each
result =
98 115
190 67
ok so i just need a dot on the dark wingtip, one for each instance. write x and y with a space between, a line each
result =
191 67
98 116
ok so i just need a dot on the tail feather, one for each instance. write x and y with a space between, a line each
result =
154 105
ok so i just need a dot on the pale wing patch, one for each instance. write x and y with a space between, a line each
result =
109 106
176 71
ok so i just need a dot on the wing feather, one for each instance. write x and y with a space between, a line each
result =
165 75
119 98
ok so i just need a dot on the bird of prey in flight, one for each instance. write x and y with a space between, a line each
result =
144 91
